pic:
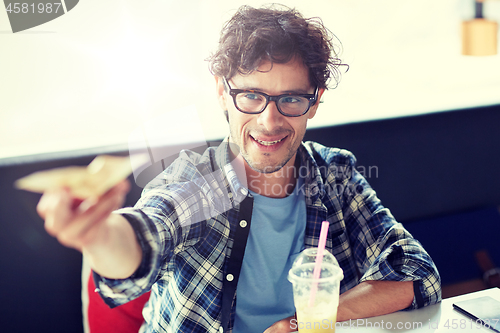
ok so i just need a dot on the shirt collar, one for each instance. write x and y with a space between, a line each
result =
314 186
223 159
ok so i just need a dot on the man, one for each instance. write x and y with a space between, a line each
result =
214 235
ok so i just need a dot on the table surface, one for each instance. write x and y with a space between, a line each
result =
435 318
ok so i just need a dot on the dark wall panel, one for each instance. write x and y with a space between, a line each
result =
427 165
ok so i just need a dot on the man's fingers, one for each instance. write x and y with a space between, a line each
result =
70 219
282 326
91 213
46 201
55 208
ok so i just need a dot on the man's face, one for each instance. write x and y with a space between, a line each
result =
268 140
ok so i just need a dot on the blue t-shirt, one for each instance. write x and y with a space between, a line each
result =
264 294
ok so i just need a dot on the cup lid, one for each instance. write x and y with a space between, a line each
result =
303 266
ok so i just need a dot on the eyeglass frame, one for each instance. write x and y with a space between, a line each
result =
313 98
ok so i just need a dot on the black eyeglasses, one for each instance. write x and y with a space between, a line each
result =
290 105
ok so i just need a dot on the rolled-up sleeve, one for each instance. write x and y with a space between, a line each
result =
383 248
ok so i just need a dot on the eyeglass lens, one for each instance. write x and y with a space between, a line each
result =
255 102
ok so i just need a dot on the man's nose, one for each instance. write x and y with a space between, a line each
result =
270 118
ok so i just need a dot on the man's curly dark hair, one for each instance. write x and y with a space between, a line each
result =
276 34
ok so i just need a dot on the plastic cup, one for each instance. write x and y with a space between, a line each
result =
322 315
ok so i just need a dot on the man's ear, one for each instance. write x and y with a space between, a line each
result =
312 110
219 88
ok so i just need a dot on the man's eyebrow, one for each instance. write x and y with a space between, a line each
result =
298 91
294 91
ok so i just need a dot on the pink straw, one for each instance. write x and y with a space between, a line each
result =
319 260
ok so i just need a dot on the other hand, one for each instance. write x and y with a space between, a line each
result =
282 326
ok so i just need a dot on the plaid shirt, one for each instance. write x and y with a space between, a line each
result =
185 222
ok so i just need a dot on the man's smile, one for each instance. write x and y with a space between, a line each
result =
267 144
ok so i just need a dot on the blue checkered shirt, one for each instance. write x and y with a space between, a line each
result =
185 223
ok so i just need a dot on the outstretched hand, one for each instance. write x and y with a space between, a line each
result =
107 240
75 222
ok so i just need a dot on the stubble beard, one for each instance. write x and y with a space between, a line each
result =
268 168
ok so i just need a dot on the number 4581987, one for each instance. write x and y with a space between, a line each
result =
469 323
40 8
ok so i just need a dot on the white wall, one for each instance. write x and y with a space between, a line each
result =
98 73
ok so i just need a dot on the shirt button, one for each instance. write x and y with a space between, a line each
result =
230 277
244 191
243 223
